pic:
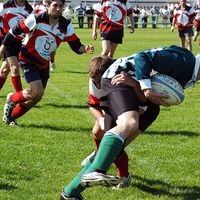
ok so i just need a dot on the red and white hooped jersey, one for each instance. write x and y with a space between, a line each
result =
183 16
38 8
113 13
197 17
11 14
42 39
94 94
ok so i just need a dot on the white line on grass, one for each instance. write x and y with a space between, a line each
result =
69 96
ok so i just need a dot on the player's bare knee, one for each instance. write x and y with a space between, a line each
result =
129 126
14 69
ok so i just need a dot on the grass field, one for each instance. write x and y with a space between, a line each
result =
44 153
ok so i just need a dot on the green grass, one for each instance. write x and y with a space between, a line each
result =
44 153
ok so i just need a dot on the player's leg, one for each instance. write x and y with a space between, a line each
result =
189 42
38 86
182 42
28 97
105 47
11 56
113 47
182 38
121 162
97 136
4 71
113 140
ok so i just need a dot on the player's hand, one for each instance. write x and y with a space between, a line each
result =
89 48
172 28
124 79
156 98
94 35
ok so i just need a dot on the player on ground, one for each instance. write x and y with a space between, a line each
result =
183 17
112 15
11 13
121 104
44 33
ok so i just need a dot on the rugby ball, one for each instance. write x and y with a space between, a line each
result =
162 83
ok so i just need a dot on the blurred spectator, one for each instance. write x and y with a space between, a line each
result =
39 6
143 16
165 16
154 16
171 13
136 14
80 14
68 13
183 17
90 16
197 21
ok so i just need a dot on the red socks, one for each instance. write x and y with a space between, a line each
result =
17 97
122 165
19 110
17 84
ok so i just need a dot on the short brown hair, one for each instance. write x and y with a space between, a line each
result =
50 1
98 65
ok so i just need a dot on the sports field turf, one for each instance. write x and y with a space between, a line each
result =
44 153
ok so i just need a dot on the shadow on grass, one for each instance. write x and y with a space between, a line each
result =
62 106
5 186
67 106
157 187
3 98
76 72
181 133
55 128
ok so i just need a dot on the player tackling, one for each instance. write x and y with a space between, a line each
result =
121 98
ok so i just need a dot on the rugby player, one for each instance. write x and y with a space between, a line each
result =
44 33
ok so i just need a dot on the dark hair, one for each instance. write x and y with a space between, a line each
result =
98 65
50 1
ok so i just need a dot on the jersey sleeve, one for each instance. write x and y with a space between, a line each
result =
28 24
143 67
72 39
94 95
99 10
70 34
93 101
25 26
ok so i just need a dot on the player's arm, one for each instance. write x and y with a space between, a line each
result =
173 23
125 79
143 68
75 43
95 26
23 27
